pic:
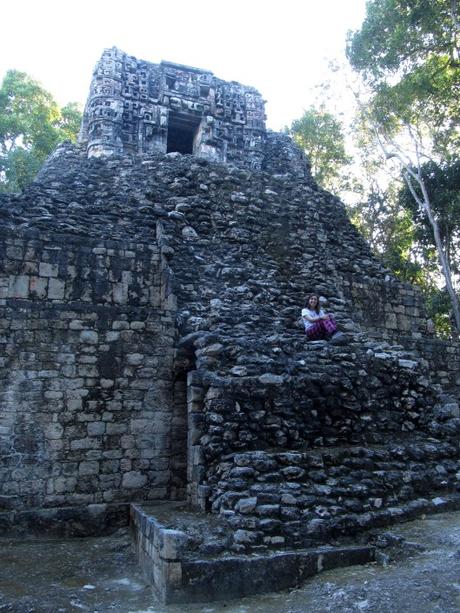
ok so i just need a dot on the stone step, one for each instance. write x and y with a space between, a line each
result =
191 557
173 548
273 497
402 448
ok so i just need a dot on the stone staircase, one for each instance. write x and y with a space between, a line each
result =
302 499
278 517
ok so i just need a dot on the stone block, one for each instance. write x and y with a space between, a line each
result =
74 404
116 429
134 359
89 337
195 394
48 270
88 468
172 574
77 324
120 293
172 543
38 287
85 443
120 325
107 383
137 325
87 371
19 286
112 336
51 395
96 428
56 289
246 505
133 480
246 537
54 431
48 374
14 252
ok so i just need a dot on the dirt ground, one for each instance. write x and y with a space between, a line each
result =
418 572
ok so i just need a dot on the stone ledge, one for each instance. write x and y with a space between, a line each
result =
180 573
91 520
238 576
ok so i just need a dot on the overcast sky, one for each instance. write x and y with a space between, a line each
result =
280 47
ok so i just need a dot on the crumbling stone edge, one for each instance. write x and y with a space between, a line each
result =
76 521
167 562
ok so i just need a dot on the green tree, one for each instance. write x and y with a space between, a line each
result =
321 136
70 122
31 125
408 54
443 186
408 51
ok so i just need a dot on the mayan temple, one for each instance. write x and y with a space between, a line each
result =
154 372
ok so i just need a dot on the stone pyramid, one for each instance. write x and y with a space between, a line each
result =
152 350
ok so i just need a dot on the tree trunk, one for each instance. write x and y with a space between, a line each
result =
443 260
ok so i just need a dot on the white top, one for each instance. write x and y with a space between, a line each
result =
313 314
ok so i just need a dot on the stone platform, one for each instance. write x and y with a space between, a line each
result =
303 499
173 563
185 556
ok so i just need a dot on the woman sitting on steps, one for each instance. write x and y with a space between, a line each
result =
318 324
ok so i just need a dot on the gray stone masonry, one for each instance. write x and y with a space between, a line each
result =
181 573
122 277
139 107
87 351
151 349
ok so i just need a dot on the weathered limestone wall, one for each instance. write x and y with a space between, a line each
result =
86 373
385 308
293 499
443 358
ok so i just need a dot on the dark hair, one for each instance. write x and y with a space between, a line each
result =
307 304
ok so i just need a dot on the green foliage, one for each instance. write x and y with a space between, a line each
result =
17 168
398 35
439 310
321 136
408 51
442 182
70 122
31 125
390 231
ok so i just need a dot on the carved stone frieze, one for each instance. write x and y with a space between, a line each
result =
139 107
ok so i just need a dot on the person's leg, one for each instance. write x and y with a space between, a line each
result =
330 326
316 332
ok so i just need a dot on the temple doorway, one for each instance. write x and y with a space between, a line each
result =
182 132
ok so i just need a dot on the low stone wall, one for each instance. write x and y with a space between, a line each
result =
64 522
442 358
386 308
303 499
395 312
178 574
